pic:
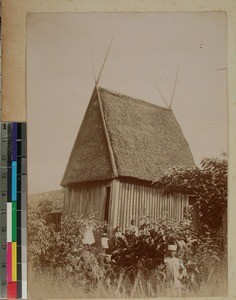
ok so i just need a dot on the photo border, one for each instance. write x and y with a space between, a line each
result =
14 14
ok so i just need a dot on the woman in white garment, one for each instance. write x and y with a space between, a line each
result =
89 238
175 271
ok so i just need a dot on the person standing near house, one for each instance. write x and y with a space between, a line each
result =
118 233
133 229
104 242
175 271
89 238
118 238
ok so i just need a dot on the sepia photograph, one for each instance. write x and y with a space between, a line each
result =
127 154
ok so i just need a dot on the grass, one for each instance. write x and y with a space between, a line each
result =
58 285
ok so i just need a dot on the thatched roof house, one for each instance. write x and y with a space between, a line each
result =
123 144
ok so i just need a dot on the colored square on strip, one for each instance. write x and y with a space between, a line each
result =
19 272
18 201
9 262
23 201
14 206
23 165
14 222
9 221
23 131
23 183
18 131
24 256
18 148
19 289
18 218
19 183
23 236
23 148
14 141
14 261
23 218
14 226
18 236
12 290
18 254
24 271
14 181
24 289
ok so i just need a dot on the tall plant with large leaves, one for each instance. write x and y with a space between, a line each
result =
208 186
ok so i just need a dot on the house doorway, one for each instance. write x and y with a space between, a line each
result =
107 203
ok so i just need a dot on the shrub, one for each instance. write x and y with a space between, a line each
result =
145 254
208 185
49 248
134 259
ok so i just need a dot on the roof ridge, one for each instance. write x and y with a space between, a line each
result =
109 144
115 93
141 142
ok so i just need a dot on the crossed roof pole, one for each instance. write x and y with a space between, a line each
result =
96 80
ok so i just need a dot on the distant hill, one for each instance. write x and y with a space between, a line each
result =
51 201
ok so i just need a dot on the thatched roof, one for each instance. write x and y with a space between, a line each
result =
145 141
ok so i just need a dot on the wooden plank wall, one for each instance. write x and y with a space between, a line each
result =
86 198
128 201
132 201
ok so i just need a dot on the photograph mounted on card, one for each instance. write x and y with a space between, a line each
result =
127 154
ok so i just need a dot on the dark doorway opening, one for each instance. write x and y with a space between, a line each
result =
107 203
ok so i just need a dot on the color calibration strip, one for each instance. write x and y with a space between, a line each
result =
13 221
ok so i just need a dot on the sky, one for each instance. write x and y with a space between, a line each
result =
146 47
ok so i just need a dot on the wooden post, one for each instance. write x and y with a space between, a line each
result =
114 169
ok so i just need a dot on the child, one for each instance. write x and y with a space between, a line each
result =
118 233
104 242
133 229
89 238
175 270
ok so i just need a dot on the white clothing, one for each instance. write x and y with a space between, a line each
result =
88 236
134 229
118 234
173 268
104 242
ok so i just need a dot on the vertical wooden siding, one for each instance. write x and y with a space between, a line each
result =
127 201
132 201
86 198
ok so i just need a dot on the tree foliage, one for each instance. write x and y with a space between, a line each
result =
132 257
208 186
50 248
145 254
200 247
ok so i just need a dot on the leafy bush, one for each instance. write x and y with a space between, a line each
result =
51 249
41 240
208 185
136 265
134 259
145 254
